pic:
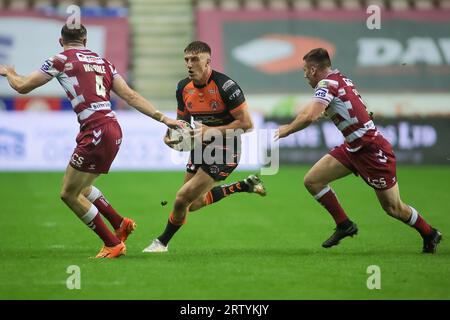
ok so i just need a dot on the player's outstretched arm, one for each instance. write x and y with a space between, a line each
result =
311 113
134 99
23 84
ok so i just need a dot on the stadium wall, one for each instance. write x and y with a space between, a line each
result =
28 38
44 141
401 68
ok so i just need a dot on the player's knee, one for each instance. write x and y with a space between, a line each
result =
66 196
310 183
391 209
181 201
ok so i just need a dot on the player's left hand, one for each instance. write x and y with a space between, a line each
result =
171 123
282 132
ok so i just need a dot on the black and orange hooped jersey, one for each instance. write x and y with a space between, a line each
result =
214 103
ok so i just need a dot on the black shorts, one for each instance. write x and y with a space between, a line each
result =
217 167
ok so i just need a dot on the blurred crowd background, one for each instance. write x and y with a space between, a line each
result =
398 56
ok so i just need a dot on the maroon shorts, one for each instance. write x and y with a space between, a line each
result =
97 147
374 162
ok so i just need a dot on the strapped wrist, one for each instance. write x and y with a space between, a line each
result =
159 116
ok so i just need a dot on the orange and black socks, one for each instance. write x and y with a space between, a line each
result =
220 192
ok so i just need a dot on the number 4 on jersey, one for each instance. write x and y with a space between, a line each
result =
100 88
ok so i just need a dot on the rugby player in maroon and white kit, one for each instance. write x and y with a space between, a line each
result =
87 80
365 151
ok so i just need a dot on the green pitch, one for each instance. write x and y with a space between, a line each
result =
244 247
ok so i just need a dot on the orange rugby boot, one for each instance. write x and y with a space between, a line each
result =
112 252
126 228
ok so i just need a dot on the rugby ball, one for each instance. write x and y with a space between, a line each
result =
182 137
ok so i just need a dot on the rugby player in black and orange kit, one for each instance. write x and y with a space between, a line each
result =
217 105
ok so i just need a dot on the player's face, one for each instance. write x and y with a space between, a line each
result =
198 65
310 74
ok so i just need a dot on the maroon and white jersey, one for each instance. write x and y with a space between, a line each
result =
87 79
346 109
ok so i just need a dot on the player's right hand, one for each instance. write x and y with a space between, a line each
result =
282 132
169 142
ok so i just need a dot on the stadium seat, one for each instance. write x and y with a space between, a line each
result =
19 5
300 5
399 5
116 4
91 3
423 5
327 4
444 4
278 5
42 3
254 4
205 4
379 3
230 5
351 5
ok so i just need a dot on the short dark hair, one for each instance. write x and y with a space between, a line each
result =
318 56
72 34
198 47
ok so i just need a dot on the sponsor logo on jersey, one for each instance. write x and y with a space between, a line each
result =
97 137
214 105
113 70
105 105
321 93
348 82
227 85
212 91
89 59
68 66
322 84
76 160
235 94
48 64
214 169
191 91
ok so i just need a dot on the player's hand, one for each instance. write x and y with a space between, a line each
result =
200 129
282 132
4 69
171 123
